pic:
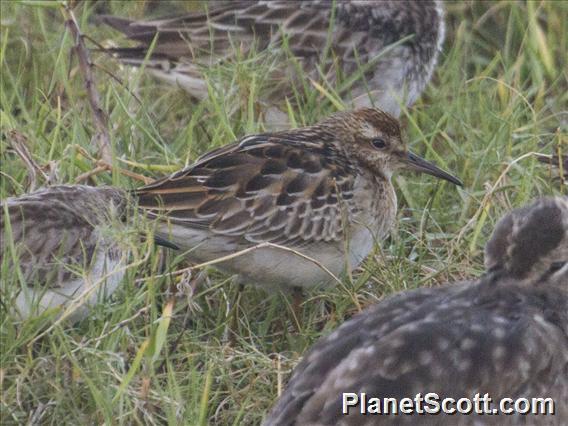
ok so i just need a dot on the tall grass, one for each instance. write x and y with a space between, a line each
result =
220 356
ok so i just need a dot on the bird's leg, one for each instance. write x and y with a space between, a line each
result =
231 331
298 298
189 282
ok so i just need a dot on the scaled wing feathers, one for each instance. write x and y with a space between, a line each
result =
261 189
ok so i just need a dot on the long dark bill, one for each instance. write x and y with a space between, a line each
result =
419 164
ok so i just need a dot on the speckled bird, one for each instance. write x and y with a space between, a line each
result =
60 241
323 190
394 43
505 334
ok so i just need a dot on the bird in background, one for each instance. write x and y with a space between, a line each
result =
505 334
60 242
323 191
392 45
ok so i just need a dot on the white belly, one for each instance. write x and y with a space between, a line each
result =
79 294
272 267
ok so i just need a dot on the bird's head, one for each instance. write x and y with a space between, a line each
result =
374 138
530 244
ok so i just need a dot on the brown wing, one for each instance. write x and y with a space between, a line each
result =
54 229
204 38
226 24
265 188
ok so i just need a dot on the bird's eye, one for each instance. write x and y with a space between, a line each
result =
379 143
556 266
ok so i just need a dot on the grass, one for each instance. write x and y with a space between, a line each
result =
220 356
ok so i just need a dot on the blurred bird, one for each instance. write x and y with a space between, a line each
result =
61 242
394 43
505 334
323 190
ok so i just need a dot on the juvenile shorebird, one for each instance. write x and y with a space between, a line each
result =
323 190
505 334
62 242
343 41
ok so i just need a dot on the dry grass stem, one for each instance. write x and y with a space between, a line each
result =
101 137
18 142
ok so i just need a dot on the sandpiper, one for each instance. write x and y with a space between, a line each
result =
393 45
60 242
505 335
323 191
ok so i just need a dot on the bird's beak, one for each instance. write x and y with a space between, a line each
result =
419 164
